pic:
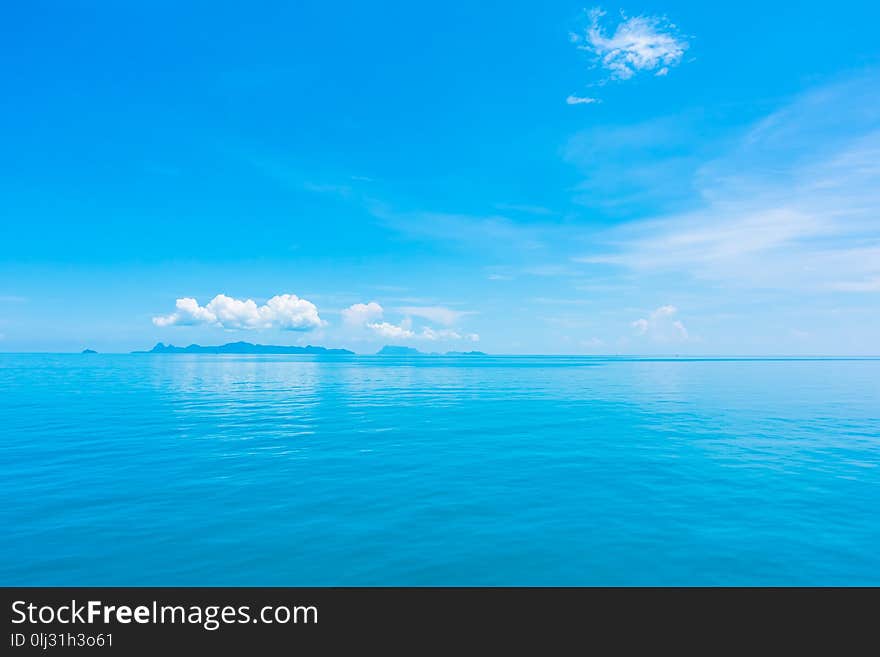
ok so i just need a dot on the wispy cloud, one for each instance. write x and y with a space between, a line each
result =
629 168
494 232
581 100
636 44
439 314
783 209
327 188
284 311
447 334
481 231
527 209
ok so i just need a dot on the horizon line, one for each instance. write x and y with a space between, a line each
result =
670 356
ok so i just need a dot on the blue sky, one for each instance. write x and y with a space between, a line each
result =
671 177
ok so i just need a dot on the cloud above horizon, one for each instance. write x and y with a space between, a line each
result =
359 314
637 44
447 334
404 331
370 316
400 331
284 311
661 326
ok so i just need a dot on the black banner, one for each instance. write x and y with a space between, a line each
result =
200 620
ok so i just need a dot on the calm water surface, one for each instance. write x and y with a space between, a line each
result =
299 470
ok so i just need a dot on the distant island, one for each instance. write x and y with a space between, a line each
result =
242 348
88 351
391 350
249 348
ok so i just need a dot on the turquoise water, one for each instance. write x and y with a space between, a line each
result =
300 470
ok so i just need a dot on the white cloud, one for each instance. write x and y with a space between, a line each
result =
394 331
661 326
283 311
730 236
362 313
581 100
404 331
189 313
640 43
368 315
438 314
429 333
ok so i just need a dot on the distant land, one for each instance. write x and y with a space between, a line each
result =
88 351
242 348
248 348
391 350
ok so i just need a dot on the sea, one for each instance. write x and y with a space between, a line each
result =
457 470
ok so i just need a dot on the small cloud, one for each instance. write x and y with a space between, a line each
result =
637 44
284 311
661 326
360 314
447 334
403 331
394 331
581 100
